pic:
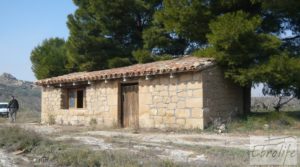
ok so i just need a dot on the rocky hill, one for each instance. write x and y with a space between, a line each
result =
28 94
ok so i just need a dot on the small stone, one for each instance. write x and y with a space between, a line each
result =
266 126
222 128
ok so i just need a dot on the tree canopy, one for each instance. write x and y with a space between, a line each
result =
103 32
49 58
248 38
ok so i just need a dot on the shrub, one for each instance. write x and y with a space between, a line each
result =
15 138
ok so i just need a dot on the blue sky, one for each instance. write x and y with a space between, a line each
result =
23 25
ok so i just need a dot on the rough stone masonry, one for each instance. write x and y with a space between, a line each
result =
187 100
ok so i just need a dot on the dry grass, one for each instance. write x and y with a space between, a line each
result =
219 156
29 117
54 153
25 117
268 122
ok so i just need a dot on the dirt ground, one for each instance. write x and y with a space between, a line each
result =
191 148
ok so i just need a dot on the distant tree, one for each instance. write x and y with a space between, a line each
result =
49 58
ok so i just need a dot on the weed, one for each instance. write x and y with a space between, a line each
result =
93 122
51 119
257 121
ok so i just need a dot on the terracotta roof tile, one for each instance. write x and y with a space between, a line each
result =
183 64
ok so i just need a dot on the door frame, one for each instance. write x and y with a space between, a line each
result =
121 98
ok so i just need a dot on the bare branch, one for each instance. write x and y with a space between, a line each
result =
290 99
291 38
279 104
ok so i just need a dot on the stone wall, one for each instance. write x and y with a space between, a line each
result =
171 103
189 100
222 98
51 102
101 102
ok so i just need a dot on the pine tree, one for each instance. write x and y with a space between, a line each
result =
49 58
104 33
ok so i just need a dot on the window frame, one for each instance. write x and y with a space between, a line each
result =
68 91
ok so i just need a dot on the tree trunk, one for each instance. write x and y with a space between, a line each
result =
246 100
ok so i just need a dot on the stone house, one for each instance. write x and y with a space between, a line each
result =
187 92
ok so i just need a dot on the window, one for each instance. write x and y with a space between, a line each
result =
79 98
73 98
3 106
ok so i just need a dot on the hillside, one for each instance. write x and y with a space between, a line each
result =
28 95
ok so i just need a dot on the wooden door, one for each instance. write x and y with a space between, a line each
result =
130 106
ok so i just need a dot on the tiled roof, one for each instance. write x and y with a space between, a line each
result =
183 64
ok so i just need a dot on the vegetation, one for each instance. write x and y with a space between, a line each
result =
64 154
248 38
264 122
25 117
71 153
51 119
14 138
49 59
104 30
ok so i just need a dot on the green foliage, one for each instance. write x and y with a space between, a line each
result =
187 19
252 57
281 75
242 35
49 58
237 46
163 57
160 41
118 62
142 56
257 121
102 30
